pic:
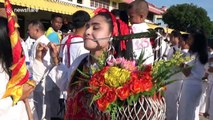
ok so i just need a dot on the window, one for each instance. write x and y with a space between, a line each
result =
114 4
79 1
92 3
96 4
100 3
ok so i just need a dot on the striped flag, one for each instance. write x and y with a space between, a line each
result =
20 74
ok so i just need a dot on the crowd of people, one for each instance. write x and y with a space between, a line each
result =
55 61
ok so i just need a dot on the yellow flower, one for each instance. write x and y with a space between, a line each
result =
116 77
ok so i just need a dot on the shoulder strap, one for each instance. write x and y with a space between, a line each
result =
67 43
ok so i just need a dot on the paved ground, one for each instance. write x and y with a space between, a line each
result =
203 118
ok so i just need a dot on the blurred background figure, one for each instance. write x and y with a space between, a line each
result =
53 33
67 26
161 45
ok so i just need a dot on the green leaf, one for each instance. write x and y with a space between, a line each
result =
96 97
133 98
83 74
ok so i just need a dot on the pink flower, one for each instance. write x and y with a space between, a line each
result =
129 65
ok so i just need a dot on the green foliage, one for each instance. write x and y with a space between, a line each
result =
101 62
185 17
163 70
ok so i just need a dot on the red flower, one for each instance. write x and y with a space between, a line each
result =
148 68
134 75
97 80
102 104
123 92
146 76
102 72
136 86
110 96
147 85
104 89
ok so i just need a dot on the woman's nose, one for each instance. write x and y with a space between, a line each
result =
88 31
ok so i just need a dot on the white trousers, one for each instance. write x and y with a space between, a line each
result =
172 94
211 105
189 101
203 99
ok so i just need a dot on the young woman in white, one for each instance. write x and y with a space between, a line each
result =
209 104
173 90
192 85
7 110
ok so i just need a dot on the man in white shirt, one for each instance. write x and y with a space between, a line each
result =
69 52
47 93
138 12
36 32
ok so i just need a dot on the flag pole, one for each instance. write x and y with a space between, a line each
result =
20 74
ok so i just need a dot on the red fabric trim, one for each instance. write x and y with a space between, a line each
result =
17 51
25 79
18 66
115 26
67 43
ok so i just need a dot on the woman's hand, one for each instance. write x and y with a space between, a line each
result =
27 90
210 70
41 51
186 69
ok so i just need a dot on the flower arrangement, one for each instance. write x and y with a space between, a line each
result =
123 81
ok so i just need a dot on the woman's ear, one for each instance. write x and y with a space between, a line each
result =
141 16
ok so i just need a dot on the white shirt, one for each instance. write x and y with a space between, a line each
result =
45 40
29 44
198 69
142 44
75 50
172 51
46 93
24 47
7 111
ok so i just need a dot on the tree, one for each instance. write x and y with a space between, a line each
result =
212 29
185 17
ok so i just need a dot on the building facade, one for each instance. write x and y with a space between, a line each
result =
28 10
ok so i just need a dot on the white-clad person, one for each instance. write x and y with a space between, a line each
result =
210 90
47 93
192 85
138 12
69 52
29 45
172 92
209 96
8 111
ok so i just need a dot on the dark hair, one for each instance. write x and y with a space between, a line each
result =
38 24
124 16
176 33
116 12
185 37
140 6
5 46
199 45
53 16
80 18
160 30
108 18
210 43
